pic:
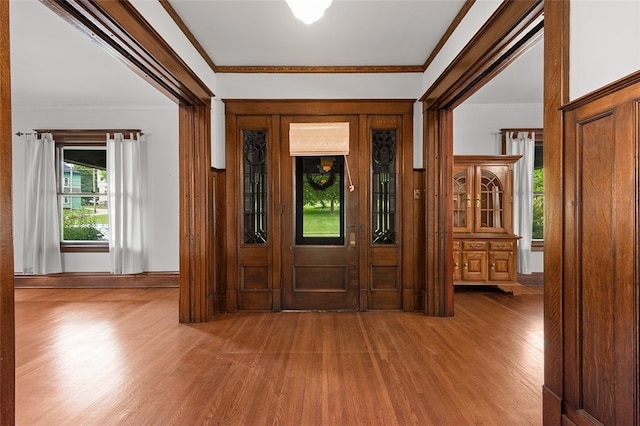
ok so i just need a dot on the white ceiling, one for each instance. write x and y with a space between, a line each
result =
351 32
54 64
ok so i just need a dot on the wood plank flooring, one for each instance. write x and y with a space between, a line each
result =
120 357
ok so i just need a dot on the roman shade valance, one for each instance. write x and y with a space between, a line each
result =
318 139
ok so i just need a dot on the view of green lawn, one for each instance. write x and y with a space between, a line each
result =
320 221
101 217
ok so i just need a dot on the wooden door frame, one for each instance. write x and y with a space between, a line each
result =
512 29
7 321
123 32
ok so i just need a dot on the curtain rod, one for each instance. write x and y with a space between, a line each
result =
77 132
537 130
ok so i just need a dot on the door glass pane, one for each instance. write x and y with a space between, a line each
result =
383 191
254 202
319 200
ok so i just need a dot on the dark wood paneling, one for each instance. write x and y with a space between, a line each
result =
218 268
597 273
98 280
419 239
600 290
317 107
7 332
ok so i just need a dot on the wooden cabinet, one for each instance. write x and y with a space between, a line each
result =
484 245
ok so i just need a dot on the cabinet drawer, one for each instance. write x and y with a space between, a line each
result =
501 245
474 245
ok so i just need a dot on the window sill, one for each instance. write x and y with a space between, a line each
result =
102 247
537 245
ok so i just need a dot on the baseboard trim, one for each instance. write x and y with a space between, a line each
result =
534 278
97 280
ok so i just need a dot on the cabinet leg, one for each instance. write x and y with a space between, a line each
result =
515 289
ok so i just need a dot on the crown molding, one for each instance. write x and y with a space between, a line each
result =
338 69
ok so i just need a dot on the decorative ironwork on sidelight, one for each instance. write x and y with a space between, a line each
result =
254 203
383 193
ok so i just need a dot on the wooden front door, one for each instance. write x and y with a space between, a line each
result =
360 253
320 238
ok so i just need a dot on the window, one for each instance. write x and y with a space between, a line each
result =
83 194
537 225
537 235
81 167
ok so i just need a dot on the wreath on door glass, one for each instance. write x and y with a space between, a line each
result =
320 182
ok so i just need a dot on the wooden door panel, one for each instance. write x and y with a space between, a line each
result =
474 266
600 282
320 268
319 276
501 266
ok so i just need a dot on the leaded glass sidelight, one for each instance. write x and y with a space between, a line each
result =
491 200
254 204
383 190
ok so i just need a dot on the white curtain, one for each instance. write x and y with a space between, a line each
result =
523 143
124 177
41 251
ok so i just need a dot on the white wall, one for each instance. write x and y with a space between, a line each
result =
160 126
476 131
604 43
476 127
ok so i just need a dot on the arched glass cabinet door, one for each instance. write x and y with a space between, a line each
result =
490 203
462 204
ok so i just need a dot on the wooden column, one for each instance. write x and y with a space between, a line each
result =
438 152
7 324
196 219
556 89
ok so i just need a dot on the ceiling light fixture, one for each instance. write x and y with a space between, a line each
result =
309 11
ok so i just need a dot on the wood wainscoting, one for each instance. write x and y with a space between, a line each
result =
599 290
98 280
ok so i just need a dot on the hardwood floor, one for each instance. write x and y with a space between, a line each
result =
107 357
